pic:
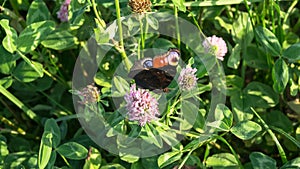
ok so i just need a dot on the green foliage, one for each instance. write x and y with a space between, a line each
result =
243 113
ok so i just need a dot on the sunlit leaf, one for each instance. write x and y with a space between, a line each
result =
94 159
280 75
72 150
9 41
60 40
33 34
168 158
292 53
245 130
269 40
38 11
222 160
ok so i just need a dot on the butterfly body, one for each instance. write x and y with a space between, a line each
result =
156 73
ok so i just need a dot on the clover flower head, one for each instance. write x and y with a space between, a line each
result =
216 46
140 6
62 14
89 94
141 106
187 79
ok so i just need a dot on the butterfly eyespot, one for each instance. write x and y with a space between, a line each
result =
148 64
173 58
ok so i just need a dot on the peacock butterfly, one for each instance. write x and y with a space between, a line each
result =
155 73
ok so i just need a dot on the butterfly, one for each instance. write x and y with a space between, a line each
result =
155 73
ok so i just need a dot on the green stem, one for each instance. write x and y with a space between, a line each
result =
206 153
146 27
186 157
177 27
142 40
100 21
121 42
232 150
9 123
279 147
20 104
66 161
289 11
272 16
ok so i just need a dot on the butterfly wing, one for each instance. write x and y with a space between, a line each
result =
153 79
156 73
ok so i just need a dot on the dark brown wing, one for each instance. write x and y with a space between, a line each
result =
153 79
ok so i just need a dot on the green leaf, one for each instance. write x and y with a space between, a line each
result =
169 137
72 150
268 40
6 82
280 75
168 158
34 65
189 113
137 165
3 149
295 163
245 130
33 34
260 160
149 162
278 119
37 12
222 160
45 149
102 80
294 105
161 43
223 113
25 73
120 86
234 84
52 127
235 57
152 21
20 160
51 161
242 30
199 121
59 40
94 159
7 61
218 124
9 41
293 87
113 166
260 95
256 57
292 53
153 137
240 107
179 4
130 158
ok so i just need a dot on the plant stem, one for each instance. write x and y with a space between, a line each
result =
20 104
232 150
142 40
121 42
9 123
279 147
177 27
100 21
